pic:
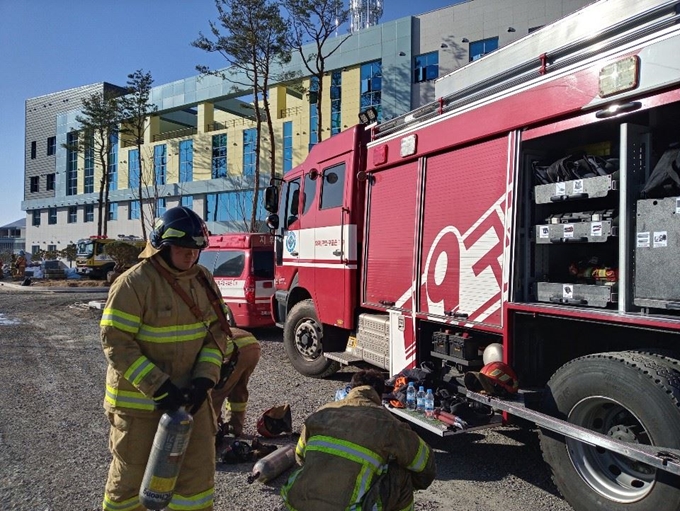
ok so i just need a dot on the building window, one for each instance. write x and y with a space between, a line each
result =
186 161
134 211
113 211
51 146
371 86
287 146
133 169
336 102
34 150
89 213
89 168
35 249
72 214
160 207
219 156
51 248
49 185
113 162
249 136
52 216
35 184
313 111
188 201
72 163
426 67
232 206
480 48
160 163
36 218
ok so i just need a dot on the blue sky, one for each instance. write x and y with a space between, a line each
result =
50 45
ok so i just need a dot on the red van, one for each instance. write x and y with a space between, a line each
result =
243 267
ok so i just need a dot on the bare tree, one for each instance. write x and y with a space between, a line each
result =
99 122
313 22
253 43
136 108
144 186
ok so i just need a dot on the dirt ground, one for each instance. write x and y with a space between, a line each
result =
54 433
69 283
61 282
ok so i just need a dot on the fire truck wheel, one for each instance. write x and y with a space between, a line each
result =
302 339
629 396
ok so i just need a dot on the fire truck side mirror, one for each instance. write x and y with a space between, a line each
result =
273 222
271 199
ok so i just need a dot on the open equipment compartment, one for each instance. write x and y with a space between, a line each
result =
595 241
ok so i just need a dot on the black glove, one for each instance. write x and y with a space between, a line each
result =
198 393
168 396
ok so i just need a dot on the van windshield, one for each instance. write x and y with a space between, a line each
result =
229 263
263 263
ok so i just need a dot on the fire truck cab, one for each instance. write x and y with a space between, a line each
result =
535 205
243 267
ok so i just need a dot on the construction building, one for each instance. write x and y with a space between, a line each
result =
200 143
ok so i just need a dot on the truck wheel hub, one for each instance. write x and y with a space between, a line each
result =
616 477
307 339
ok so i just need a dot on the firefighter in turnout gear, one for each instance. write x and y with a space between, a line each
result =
235 391
356 455
162 356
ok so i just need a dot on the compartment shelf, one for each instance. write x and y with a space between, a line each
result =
588 295
577 189
580 232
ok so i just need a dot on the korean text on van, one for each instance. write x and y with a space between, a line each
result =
243 267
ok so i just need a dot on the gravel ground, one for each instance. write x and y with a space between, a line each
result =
53 433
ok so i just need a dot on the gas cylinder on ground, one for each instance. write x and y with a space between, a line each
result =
165 460
273 464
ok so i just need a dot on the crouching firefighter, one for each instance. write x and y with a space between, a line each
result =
235 389
165 335
356 455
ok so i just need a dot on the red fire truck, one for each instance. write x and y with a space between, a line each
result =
536 205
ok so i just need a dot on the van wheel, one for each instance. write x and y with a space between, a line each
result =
302 340
634 397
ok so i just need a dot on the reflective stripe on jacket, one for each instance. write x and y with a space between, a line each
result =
149 334
345 446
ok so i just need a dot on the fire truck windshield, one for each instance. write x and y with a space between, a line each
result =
85 248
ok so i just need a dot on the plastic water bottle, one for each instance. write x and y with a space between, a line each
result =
429 404
341 393
410 396
420 400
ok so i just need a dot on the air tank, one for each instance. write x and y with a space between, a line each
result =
273 464
165 460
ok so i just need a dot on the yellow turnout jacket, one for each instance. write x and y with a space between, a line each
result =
149 334
345 445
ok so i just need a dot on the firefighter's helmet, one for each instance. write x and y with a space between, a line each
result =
493 353
495 378
275 421
180 227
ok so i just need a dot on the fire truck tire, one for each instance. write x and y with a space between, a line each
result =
630 396
302 340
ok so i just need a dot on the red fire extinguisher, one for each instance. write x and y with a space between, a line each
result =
169 445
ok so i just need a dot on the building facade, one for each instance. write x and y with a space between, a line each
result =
13 237
199 146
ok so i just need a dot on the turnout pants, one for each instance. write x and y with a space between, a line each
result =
235 391
130 441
